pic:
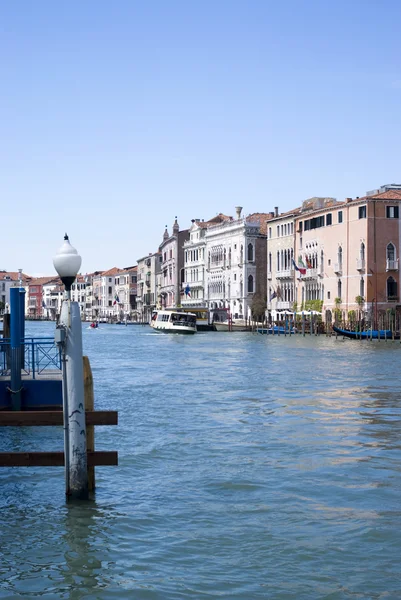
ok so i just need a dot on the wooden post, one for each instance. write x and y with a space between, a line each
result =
89 405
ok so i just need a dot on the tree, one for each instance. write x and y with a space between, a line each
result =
258 307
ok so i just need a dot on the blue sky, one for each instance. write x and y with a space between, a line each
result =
115 117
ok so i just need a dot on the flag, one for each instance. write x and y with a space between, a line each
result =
301 269
308 263
278 293
188 291
116 299
273 295
43 304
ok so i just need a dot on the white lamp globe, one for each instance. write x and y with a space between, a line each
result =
67 263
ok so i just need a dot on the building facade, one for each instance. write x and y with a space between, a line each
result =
172 266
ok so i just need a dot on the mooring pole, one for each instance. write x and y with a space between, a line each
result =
67 263
15 345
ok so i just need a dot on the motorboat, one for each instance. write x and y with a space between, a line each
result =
173 321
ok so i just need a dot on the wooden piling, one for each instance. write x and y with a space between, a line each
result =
89 406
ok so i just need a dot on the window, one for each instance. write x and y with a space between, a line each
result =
235 277
329 218
340 257
278 230
109 279
270 232
250 252
328 295
270 262
362 287
250 284
110 289
339 288
390 251
392 289
392 212
340 216
362 253
329 261
362 212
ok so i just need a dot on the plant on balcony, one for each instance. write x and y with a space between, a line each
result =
360 301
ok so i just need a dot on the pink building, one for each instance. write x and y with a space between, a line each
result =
350 249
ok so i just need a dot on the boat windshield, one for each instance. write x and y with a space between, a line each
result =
183 319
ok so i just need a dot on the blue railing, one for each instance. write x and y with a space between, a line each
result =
40 355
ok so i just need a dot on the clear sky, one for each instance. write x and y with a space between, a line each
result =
117 116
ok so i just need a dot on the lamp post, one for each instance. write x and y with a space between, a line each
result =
69 335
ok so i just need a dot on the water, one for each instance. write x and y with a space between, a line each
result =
250 467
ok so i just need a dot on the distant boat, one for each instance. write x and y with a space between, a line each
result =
238 325
276 330
374 334
173 321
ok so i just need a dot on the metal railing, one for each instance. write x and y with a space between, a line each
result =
39 355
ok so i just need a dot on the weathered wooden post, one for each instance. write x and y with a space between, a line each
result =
89 406
67 263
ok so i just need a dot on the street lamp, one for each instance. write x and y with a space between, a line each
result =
69 336
67 263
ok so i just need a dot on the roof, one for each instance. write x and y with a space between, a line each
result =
220 218
44 280
14 276
112 271
389 195
261 219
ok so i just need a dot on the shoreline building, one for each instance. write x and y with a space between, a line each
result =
280 266
104 293
172 266
351 252
125 293
148 270
236 265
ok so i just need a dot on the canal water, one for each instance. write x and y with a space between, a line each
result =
250 467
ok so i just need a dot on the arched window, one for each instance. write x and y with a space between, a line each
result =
229 256
270 232
278 260
250 252
339 288
391 289
362 287
250 284
270 262
362 252
390 251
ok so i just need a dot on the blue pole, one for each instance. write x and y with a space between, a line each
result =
22 324
15 343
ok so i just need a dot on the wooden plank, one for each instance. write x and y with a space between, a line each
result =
89 406
37 418
53 459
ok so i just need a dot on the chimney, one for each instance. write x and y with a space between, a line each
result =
238 210
276 211
348 200
271 214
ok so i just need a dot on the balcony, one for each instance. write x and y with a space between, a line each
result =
392 298
284 305
360 264
285 274
392 265
338 268
311 274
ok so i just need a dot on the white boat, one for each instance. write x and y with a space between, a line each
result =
232 325
173 321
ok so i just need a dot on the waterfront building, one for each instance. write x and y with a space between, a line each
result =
9 279
104 293
36 302
236 265
148 285
280 266
172 266
52 298
193 294
351 252
78 294
126 293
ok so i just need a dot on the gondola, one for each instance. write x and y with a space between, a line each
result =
374 334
